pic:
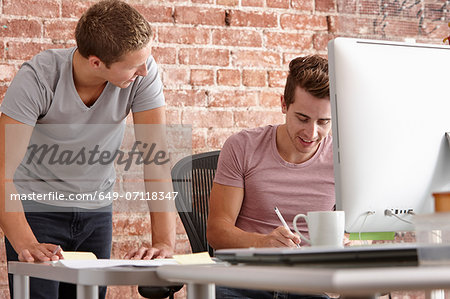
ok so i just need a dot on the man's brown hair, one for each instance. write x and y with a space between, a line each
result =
111 28
309 73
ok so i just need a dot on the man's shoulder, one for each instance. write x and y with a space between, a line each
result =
253 133
50 60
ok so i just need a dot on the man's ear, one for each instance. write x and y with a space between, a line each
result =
283 105
95 62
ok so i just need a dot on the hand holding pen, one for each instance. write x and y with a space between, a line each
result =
286 226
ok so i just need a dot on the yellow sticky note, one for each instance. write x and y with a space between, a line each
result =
78 255
194 258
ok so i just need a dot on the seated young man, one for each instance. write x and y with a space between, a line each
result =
288 165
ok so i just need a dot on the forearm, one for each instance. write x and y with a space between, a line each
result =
163 229
222 234
13 221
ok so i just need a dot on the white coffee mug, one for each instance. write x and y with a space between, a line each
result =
326 228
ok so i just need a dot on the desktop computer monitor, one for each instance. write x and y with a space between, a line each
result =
390 105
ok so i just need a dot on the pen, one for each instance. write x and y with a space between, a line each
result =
282 220
56 250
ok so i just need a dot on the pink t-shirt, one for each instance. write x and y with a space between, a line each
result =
250 160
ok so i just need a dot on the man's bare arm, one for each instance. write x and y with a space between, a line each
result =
224 207
157 179
15 137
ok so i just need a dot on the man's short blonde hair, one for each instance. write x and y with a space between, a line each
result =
111 28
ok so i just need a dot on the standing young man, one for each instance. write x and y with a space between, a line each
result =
289 166
69 97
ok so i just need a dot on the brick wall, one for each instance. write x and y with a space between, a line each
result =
223 63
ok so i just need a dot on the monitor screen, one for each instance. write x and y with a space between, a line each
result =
390 106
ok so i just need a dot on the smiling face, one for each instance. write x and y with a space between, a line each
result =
308 122
123 72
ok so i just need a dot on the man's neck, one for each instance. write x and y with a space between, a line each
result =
83 76
287 150
88 86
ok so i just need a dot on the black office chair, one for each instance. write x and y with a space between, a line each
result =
192 178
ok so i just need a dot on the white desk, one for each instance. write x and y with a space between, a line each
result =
87 280
354 282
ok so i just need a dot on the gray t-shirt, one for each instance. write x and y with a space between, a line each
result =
43 95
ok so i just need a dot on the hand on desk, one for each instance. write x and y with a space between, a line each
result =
158 251
279 237
40 252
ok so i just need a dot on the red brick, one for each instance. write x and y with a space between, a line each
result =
198 138
253 19
256 3
120 292
208 119
202 77
75 8
202 1
133 182
133 225
413 11
271 99
3 274
173 116
228 2
325 5
4 292
3 89
347 6
175 76
20 28
25 51
285 40
256 59
181 294
7 72
233 98
229 77
185 97
278 3
251 118
153 14
204 56
254 78
164 55
199 15
216 137
180 231
60 29
277 78
320 41
401 29
183 35
182 247
303 5
41 8
347 25
437 32
369 7
303 22
332 23
2 51
236 38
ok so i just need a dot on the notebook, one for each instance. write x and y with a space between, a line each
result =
379 255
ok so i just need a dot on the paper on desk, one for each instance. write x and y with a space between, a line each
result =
78 255
106 263
194 258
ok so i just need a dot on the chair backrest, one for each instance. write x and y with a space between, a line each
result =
192 178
